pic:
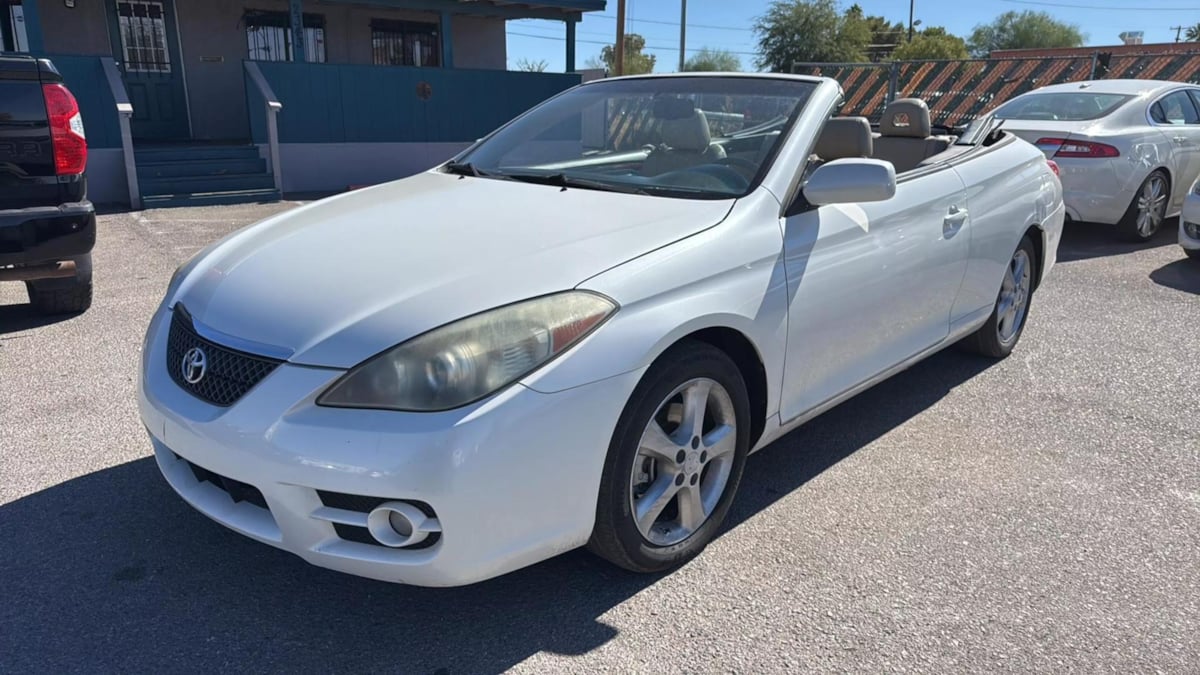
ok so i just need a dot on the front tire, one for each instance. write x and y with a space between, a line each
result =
1004 327
675 461
1146 213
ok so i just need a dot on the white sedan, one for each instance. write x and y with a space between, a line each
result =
1189 223
577 331
1128 150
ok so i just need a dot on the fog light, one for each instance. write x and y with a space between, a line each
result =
397 524
1192 229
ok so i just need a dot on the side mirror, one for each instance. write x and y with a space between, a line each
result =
850 181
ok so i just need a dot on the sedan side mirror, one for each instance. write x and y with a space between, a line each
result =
850 181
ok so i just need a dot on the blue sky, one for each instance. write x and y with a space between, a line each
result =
726 24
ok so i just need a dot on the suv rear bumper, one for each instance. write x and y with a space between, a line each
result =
46 233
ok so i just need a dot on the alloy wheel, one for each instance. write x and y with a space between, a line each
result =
1151 205
1014 296
684 461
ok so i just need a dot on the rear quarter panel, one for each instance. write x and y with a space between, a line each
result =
1010 188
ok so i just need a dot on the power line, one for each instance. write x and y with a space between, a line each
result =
671 23
609 43
1041 3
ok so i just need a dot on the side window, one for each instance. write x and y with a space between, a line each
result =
1175 108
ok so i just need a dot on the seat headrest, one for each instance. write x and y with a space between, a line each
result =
845 137
906 117
687 133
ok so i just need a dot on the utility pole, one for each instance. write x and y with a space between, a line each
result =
683 34
910 18
619 52
1177 29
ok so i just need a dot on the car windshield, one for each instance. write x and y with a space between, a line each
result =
687 137
1062 106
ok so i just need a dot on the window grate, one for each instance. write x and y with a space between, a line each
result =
143 36
405 43
269 36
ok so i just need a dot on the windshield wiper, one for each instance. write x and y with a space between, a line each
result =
564 181
464 169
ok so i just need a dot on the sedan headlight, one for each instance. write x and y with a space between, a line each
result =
470 359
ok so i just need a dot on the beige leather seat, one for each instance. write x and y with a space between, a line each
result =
905 135
841 138
686 143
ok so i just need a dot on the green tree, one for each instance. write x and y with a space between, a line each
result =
1024 30
1193 33
795 31
932 43
529 66
708 59
636 62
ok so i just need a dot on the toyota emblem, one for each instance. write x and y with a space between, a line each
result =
195 364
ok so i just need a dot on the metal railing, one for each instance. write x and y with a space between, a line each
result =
116 86
961 90
271 108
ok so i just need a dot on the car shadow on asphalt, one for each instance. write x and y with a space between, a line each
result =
111 571
1083 241
17 318
1182 275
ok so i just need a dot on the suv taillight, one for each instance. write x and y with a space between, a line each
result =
66 130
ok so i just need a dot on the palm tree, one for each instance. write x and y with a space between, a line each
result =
1193 33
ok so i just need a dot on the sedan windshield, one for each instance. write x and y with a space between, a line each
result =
690 137
1063 106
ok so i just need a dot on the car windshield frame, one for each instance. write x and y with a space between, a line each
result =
485 158
1119 101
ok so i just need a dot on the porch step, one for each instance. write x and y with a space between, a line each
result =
172 185
185 153
200 167
211 198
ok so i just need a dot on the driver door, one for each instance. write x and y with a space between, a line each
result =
870 284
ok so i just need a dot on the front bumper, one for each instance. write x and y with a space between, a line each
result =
512 480
1190 214
46 234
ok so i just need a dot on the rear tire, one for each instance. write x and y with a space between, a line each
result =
1004 327
678 474
1146 213
72 295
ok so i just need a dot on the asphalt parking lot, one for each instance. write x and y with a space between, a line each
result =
1042 513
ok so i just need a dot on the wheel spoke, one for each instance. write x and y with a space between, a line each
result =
657 444
1018 270
651 505
720 441
692 513
695 404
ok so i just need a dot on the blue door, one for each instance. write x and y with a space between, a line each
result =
146 48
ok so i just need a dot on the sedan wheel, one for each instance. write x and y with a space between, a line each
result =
1148 210
1003 329
675 461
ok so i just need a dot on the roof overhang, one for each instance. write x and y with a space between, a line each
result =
507 9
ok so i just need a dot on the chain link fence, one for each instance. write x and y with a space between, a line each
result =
960 91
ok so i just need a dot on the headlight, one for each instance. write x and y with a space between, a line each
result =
470 359
1196 188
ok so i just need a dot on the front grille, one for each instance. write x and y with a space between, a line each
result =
237 490
363 504
227 374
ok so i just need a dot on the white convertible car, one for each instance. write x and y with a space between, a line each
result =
577 331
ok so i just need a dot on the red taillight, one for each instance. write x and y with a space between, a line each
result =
66 130
1053 167
1072 148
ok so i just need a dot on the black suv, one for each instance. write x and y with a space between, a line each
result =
47 225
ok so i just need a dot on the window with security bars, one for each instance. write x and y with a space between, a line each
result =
405 43
269 36
143 26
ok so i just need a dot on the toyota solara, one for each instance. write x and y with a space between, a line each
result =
576 331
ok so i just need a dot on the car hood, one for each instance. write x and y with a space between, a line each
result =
339 280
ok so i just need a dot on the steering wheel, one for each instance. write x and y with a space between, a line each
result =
751 169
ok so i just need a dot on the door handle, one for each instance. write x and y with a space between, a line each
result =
954 221
1180 140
